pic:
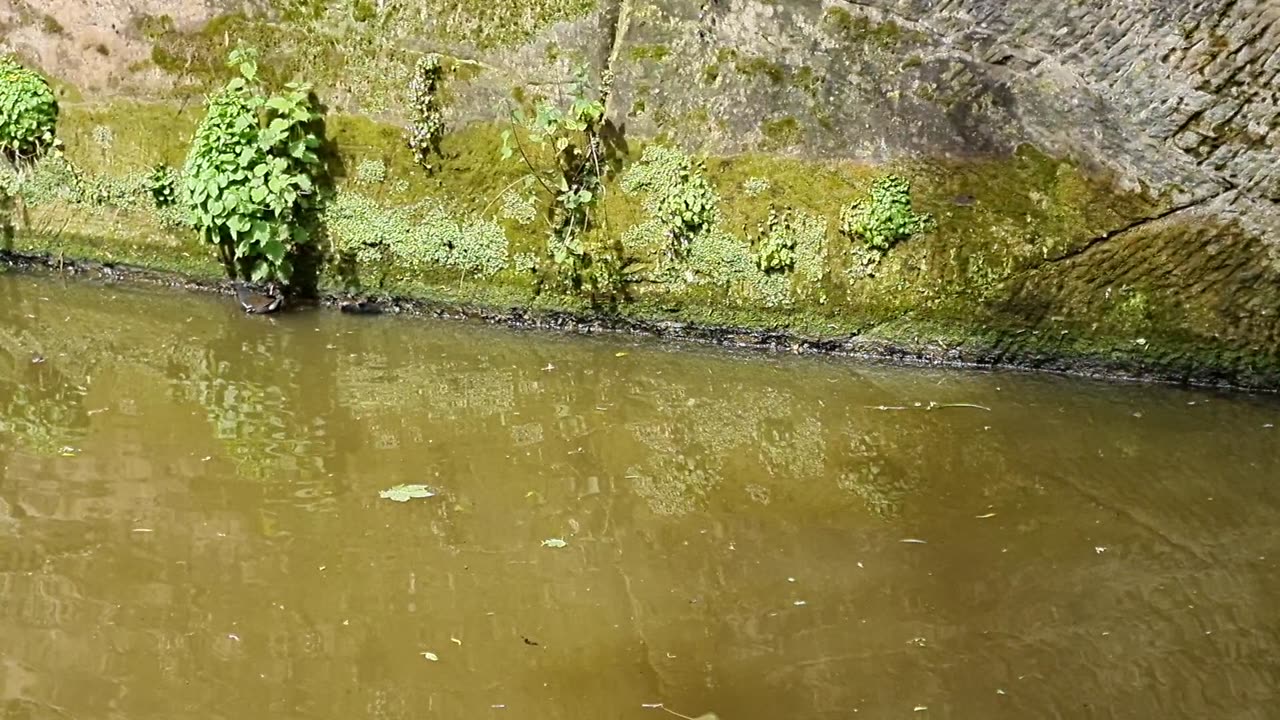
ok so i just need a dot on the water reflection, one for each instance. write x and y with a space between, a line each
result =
215 545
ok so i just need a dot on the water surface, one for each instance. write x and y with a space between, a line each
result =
190 527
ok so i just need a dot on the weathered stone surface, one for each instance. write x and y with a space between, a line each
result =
1104 172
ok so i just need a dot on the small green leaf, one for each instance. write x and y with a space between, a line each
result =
275 250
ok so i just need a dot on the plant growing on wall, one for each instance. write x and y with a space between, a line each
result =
678 195
251 175
885 217
28 113
573 135
775 244
162 184
427 128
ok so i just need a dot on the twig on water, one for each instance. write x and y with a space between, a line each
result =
931 406
660 706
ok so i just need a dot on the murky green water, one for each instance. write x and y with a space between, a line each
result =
190 527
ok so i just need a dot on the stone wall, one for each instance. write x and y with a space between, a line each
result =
1105 175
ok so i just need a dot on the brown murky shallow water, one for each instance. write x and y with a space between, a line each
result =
191 527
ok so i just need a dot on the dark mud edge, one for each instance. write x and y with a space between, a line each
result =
972 354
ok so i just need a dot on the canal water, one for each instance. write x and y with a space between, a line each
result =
191 526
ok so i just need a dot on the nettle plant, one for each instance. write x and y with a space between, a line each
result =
251 176
28 113
885 217
573 134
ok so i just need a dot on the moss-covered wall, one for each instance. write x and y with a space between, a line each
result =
1045 250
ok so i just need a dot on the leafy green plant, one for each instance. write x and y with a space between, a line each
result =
162 183
776 243
427 128
576 184
885 217
251 175
679 197
28 113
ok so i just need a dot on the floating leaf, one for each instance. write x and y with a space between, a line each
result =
554 543
405 493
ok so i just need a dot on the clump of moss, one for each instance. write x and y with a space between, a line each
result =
371 171
781 133
490 25
861 30
755 186
50 25
427 234
53 182
762 67
808 81
649 52
727 262
518 204
677 194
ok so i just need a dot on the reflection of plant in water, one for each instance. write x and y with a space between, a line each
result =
794 451
657 436
526 434
868 477
745 424
673 484
253 421
38 405
46 415
372 386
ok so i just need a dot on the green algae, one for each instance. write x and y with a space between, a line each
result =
781 133
860 30
652 52
759 67
354 48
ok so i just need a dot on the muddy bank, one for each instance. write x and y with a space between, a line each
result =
937 353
